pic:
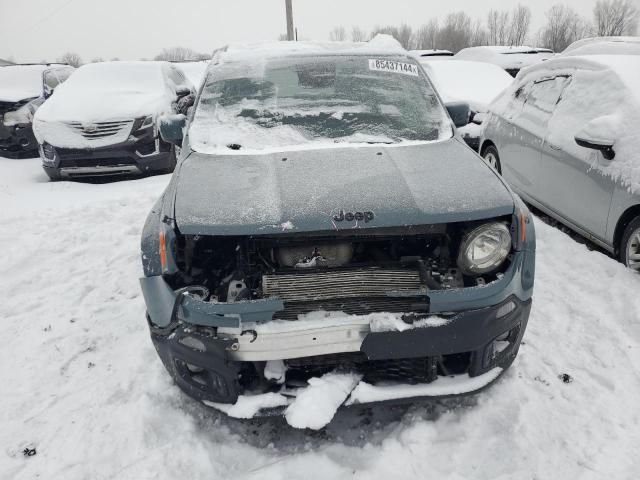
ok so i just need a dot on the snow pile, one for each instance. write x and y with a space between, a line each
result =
395 323
19 82
101 92
476 83
316 405
248 406
454 385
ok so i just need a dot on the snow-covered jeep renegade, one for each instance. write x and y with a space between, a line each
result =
328 235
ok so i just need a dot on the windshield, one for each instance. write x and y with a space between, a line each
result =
297 101
119 76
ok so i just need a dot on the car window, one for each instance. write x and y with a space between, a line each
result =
300 100
176 77
50 80
544 94
63 73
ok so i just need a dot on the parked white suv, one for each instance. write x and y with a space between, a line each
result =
103 121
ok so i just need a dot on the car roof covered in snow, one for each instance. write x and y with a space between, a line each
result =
19 82
380 45
604 46
451 80
626 68
504 56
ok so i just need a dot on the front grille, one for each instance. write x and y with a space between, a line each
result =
353 291
333 284
409 370
98 130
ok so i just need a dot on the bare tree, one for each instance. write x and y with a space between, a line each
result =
97 60
615 18
498 27
358 35
520 22
338 34
178 54
564 26
70 58
479 36
115 59
455 33
426 37
405 34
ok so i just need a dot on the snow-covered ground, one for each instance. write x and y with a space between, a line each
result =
81 382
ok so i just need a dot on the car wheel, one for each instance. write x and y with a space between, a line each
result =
630 245
490 155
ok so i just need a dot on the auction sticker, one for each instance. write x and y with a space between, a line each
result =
393 66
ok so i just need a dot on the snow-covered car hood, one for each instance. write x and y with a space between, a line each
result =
303 190
71 105
16 95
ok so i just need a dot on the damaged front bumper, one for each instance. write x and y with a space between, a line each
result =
466 340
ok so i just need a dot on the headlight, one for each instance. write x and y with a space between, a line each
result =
147 122
21 116
484 249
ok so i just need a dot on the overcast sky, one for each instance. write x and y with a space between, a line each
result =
34 30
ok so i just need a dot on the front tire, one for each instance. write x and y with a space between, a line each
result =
630 245
491 156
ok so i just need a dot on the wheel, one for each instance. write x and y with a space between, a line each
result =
490 155
630 245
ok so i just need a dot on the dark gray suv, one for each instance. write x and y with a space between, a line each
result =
325 216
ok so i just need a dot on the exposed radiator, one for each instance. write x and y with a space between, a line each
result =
335 284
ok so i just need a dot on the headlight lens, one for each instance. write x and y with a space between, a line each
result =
484 249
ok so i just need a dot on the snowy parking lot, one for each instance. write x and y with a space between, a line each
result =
84 388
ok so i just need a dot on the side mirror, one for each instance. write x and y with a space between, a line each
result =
183 91
171 127
48 91
459 113
604 146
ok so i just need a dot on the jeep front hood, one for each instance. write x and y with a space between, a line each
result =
302 191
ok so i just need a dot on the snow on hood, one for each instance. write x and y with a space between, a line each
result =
304 189
452 82
20 82
613 81
109 91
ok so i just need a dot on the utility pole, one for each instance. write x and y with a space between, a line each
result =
289 20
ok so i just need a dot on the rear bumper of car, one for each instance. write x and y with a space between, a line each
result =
137 155
17 141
